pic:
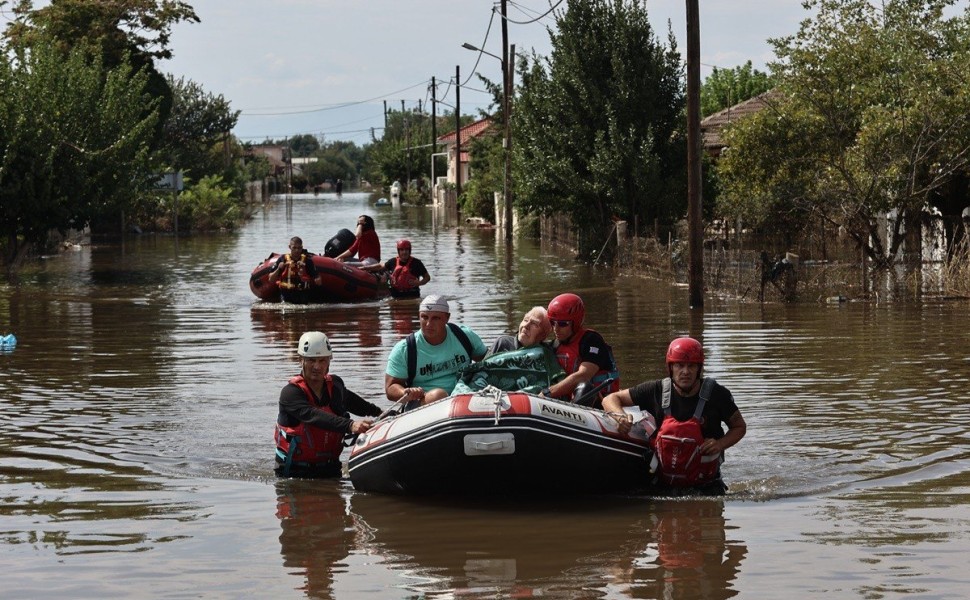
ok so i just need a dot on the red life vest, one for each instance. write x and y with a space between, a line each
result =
568 356
309 444
294 274
677 444
401 275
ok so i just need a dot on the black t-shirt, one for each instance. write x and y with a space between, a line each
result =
719 407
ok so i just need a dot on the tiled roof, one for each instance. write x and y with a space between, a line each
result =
712 125
468 132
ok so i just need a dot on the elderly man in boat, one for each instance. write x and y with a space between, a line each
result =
524 362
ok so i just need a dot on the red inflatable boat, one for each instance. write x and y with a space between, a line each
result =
340 283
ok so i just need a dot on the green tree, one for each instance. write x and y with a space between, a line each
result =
134 32
876 120
597 125
404 148
198 121
74 143
724 88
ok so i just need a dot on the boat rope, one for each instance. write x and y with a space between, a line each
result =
490 391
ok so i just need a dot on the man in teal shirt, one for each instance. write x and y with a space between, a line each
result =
424 367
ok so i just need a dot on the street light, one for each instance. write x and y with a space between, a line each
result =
468 46
507 143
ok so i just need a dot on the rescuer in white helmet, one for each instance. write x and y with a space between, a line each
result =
314 417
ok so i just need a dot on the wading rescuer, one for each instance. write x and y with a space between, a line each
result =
582 353
690 442
407 274
314 415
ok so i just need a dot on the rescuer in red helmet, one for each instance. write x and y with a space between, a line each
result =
582 353
690 442
407 274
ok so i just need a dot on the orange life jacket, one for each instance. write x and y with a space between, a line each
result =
294 274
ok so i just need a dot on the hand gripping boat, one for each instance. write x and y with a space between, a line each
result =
501 442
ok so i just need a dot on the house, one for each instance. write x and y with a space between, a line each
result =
275 154
449 142
712 125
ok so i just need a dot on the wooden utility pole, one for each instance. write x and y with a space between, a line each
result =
695 216
458 130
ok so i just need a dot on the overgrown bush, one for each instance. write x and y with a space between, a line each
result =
208 205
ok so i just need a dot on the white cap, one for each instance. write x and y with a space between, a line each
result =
434 303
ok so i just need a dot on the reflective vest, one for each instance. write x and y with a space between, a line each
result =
401 275
309 445
568 356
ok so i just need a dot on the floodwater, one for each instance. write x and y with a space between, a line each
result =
136 418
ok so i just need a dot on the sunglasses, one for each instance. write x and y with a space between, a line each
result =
561 323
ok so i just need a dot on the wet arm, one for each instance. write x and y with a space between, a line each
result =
736 430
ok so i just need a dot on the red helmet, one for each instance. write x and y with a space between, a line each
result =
685 350
567 307
404 244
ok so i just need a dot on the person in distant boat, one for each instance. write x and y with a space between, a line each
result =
582 353
367 247
294 271
690 409
424 366
406 273
314 414
534 329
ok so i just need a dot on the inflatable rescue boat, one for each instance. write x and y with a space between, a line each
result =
340 282
493 441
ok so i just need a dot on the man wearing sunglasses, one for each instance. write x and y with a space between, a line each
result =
583 353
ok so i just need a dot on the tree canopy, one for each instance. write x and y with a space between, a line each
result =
875 119
74 142
597 124
724 88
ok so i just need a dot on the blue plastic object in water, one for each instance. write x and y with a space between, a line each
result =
8 341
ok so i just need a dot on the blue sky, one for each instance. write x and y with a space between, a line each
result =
326 67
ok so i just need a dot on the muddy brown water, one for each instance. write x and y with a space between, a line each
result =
137 413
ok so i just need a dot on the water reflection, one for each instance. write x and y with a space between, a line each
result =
316 533
689 553
613 547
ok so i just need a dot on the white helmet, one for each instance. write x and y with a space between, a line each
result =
314 344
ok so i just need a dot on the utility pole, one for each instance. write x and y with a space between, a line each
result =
434 117
434 136
506 107
695 224
458 130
